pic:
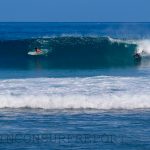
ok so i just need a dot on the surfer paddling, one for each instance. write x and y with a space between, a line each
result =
37 50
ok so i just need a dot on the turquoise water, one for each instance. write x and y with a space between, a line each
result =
87 93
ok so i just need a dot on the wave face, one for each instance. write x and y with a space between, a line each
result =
99 92
67 52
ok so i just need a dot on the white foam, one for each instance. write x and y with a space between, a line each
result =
117 40
77 101
144 46
101 92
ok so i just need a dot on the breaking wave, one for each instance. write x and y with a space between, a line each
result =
100 92
68 52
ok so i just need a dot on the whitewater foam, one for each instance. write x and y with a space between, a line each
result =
144 46
76 102
102 92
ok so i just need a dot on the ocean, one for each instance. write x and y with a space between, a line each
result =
87 92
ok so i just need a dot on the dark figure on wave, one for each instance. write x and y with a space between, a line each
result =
137 56
37 50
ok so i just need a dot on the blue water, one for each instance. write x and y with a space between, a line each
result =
88 92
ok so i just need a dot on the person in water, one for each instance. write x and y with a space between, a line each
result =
37 50
137 56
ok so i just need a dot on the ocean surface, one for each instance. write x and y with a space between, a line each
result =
88 92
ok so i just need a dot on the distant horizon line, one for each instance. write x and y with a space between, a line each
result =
72 22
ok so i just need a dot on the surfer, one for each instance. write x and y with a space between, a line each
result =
137 56
37 50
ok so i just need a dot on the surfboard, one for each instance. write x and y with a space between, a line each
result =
43 52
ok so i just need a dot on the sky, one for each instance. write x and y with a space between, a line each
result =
75 10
